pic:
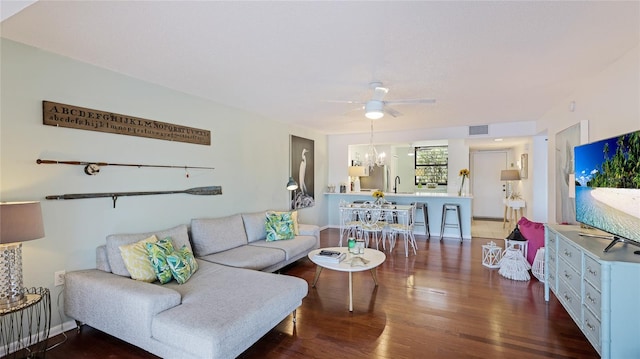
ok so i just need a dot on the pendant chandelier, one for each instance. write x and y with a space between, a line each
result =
372 158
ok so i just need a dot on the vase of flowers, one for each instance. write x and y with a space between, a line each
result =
379 197
464 173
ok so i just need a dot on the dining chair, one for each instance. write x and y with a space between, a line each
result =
372 224
349 223
404 227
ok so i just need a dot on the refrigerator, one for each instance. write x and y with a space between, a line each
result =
378 178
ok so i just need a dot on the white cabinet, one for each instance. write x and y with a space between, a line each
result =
600 291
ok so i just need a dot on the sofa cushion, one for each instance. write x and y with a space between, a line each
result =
137 261
534 233
239 315
301 244
178 234
250 257
182 264
212 235
158 253
279 226
102 262
254 226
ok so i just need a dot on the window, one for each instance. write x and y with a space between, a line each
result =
432 164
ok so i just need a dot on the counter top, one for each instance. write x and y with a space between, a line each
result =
404 194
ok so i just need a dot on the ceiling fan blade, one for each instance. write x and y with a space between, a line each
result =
416 100
392 112
351 110
347 101
379 92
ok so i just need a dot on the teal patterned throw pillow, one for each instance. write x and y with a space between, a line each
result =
158 253
182 264
279 226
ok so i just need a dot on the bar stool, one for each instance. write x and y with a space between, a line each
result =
446 208
425 212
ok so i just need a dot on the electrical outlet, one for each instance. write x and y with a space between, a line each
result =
58 278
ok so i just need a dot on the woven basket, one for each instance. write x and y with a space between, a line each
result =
538 265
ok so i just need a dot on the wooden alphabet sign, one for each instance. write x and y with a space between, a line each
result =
57 114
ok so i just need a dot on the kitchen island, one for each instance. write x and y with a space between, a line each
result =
434 201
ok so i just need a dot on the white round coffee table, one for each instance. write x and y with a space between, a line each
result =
374 257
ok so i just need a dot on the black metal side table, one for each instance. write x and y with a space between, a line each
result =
24 328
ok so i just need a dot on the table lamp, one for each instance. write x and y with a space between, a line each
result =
19 222
356 172
509 175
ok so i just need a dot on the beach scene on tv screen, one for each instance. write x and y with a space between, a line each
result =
607 176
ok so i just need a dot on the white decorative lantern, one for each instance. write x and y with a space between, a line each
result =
491 255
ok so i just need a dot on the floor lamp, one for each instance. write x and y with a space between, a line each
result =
19 222
509 175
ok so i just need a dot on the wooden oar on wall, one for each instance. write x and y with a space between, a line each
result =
200 191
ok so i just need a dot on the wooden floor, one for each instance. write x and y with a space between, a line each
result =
441 303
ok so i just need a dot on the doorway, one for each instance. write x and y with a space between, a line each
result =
488 190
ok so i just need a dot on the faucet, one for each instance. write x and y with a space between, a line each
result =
396 182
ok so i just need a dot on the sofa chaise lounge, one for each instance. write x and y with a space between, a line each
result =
229 303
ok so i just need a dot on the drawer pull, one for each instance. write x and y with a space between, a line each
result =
567 275
593 273
591 299
567 253
567 297
591 327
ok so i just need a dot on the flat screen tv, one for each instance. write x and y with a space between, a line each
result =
607 195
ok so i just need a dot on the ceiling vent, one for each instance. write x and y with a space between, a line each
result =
478 130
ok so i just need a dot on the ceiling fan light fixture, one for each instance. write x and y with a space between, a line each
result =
373 110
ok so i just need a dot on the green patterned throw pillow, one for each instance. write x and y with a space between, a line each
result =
158 253
182 264
279 225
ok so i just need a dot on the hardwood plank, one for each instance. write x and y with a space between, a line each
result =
441 303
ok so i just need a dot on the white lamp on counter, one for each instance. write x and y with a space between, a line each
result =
355 172
19 222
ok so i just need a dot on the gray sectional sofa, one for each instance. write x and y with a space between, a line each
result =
229 303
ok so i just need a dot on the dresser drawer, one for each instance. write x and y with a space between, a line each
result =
592 272
592 299
591 328
568 274
570 300
571 254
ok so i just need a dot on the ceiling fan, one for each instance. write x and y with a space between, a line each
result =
376 107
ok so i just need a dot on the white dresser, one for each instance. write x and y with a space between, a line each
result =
600 291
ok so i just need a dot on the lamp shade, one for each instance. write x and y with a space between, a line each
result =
358 171
509 175
20 221
292 184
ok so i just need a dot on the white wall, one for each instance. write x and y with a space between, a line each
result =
609 102
250 155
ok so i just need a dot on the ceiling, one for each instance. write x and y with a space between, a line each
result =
483 62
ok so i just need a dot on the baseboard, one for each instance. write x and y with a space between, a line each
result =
492 219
